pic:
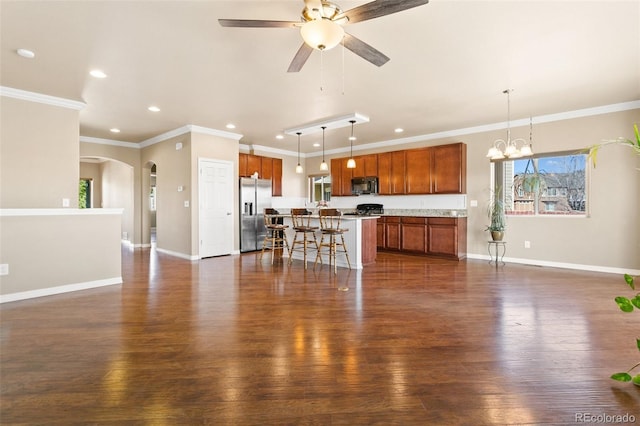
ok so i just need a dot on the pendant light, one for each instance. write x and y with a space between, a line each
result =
509 148
351 163
323 166
298 167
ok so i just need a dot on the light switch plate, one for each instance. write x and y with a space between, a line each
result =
4 269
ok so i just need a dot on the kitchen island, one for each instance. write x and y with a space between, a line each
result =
360 240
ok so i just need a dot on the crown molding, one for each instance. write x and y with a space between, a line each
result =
24 95
189 128
252 147
112 142
548 118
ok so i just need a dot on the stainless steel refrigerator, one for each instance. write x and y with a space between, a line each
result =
255 196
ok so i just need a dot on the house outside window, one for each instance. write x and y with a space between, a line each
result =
548 184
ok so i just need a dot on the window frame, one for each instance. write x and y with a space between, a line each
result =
498 181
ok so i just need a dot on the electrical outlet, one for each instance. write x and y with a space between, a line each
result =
527 244
4 269
186 204
66 202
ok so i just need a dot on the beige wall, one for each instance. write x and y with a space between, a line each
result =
130 157
39 162
117 192
609 238
173 169
49 249
58 251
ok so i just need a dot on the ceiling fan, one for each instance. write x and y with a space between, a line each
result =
321 27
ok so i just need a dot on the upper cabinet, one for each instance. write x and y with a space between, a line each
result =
431 170
267 168
340 177
366 165
418 171
449 169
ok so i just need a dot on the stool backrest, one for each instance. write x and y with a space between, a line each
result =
329 218
271 218
300 217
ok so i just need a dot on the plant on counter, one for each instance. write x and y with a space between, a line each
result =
496 215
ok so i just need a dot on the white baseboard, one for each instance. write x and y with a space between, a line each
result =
31 294
177 254
577 266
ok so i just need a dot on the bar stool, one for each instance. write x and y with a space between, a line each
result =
330 228
275 238
301 221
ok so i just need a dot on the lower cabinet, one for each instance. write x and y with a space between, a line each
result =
431 236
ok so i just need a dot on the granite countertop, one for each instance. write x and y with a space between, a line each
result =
349 212
426 212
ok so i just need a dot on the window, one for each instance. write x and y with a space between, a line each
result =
548 184
319 188
85 194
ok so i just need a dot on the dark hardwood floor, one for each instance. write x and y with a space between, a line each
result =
236 341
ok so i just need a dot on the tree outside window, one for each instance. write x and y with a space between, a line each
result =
545 185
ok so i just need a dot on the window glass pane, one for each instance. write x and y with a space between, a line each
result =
320 188
546 185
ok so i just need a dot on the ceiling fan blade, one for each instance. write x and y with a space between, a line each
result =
364 50
378 8
301 58
256 23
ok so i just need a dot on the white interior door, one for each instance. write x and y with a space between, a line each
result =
216 185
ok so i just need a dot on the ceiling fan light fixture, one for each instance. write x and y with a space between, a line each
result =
322 34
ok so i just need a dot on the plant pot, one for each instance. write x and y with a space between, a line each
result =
497 235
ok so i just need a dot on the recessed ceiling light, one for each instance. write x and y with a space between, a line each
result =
154 108
98 74
26 53
114 130
316 144
279 137
399 130
231 126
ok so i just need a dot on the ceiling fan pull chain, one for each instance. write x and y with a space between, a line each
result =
321 69
343 66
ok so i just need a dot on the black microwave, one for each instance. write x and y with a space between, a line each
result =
364 185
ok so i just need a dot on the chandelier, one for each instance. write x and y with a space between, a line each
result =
509 148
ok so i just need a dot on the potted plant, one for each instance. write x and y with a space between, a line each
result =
497 217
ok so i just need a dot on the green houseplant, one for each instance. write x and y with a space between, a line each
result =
625 304
497 216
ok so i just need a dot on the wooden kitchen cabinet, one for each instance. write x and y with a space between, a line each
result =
366 165
414 234
384 173
254 164
340 177
276 177
449 169
392 233
267 168
418 171
447 237
397 173
430 236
